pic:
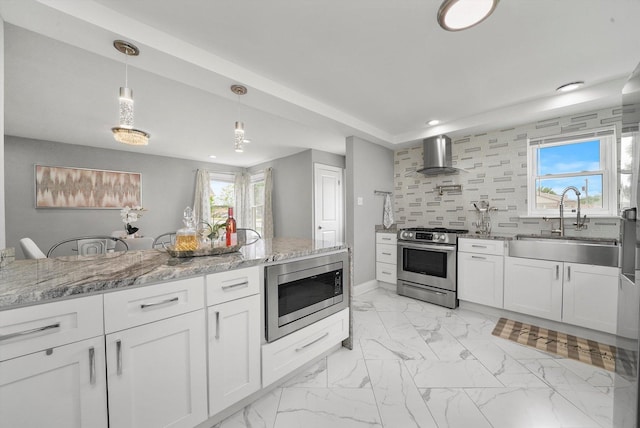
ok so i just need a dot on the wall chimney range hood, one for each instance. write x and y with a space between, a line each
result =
437 156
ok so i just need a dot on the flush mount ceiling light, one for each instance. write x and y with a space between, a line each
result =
570 86
433 122
125 133
456 15
239 140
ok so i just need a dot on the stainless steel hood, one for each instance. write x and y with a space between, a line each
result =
437 156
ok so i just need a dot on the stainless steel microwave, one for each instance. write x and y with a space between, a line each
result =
302 292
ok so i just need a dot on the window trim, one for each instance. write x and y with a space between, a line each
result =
608 163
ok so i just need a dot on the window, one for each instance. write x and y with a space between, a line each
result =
586 162
627 186
222 196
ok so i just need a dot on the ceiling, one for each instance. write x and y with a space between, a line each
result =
317 72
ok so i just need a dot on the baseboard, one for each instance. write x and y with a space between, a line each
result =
364 287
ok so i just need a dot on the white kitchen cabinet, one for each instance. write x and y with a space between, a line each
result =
386 257
52 370
533 287
157 372
590 296
156 355
63 387
234 336
481 271
574 293
290 352
234 351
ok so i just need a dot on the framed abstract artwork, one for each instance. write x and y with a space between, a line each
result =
63 187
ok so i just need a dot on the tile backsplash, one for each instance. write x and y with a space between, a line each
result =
496 165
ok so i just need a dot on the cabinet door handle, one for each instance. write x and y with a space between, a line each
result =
386 254
312 342
217 325
478 246
119 357
478 257
240 284
568 273
164 302
31 331
557 271
92 366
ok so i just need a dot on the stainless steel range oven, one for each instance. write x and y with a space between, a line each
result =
427 265
302 292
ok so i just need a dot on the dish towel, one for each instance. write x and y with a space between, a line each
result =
387 212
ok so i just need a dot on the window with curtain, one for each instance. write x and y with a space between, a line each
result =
222 197
586 161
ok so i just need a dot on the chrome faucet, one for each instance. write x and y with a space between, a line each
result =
579 225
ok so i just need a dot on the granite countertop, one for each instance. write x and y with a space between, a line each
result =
492 236
381 229
26 282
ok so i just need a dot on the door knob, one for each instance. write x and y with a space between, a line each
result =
319 227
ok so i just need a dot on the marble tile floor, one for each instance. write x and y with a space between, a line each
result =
420 365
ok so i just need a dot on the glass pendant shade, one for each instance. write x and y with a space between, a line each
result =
239 137
133 137
126 108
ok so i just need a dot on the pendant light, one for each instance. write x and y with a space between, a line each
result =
457 15
125 132
239 140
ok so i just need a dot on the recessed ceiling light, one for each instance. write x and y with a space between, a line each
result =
212 156
570 86
456 15
433 122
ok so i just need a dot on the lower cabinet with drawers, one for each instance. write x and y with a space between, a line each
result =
386 257
171 354
52 365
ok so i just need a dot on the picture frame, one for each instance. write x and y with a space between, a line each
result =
84 188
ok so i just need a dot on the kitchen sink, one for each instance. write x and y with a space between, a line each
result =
593 251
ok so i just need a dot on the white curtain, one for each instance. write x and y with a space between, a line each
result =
242 210
267 231
201 204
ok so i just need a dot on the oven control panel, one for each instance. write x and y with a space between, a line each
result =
439 237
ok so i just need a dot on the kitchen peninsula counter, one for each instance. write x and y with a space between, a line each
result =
27 282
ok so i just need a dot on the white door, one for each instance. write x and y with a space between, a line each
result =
156 373
62 387
328 216
234 352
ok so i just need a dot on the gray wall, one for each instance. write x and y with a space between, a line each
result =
2 179
167 188
369 168
293 191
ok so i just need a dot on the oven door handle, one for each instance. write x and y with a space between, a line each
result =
439 248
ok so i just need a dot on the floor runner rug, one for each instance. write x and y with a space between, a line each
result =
566 345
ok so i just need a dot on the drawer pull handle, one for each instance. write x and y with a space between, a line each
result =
386 254
119 357
312 342
478 257
164 302
386 273
32 331
478 246
240 284
92 366
217 325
